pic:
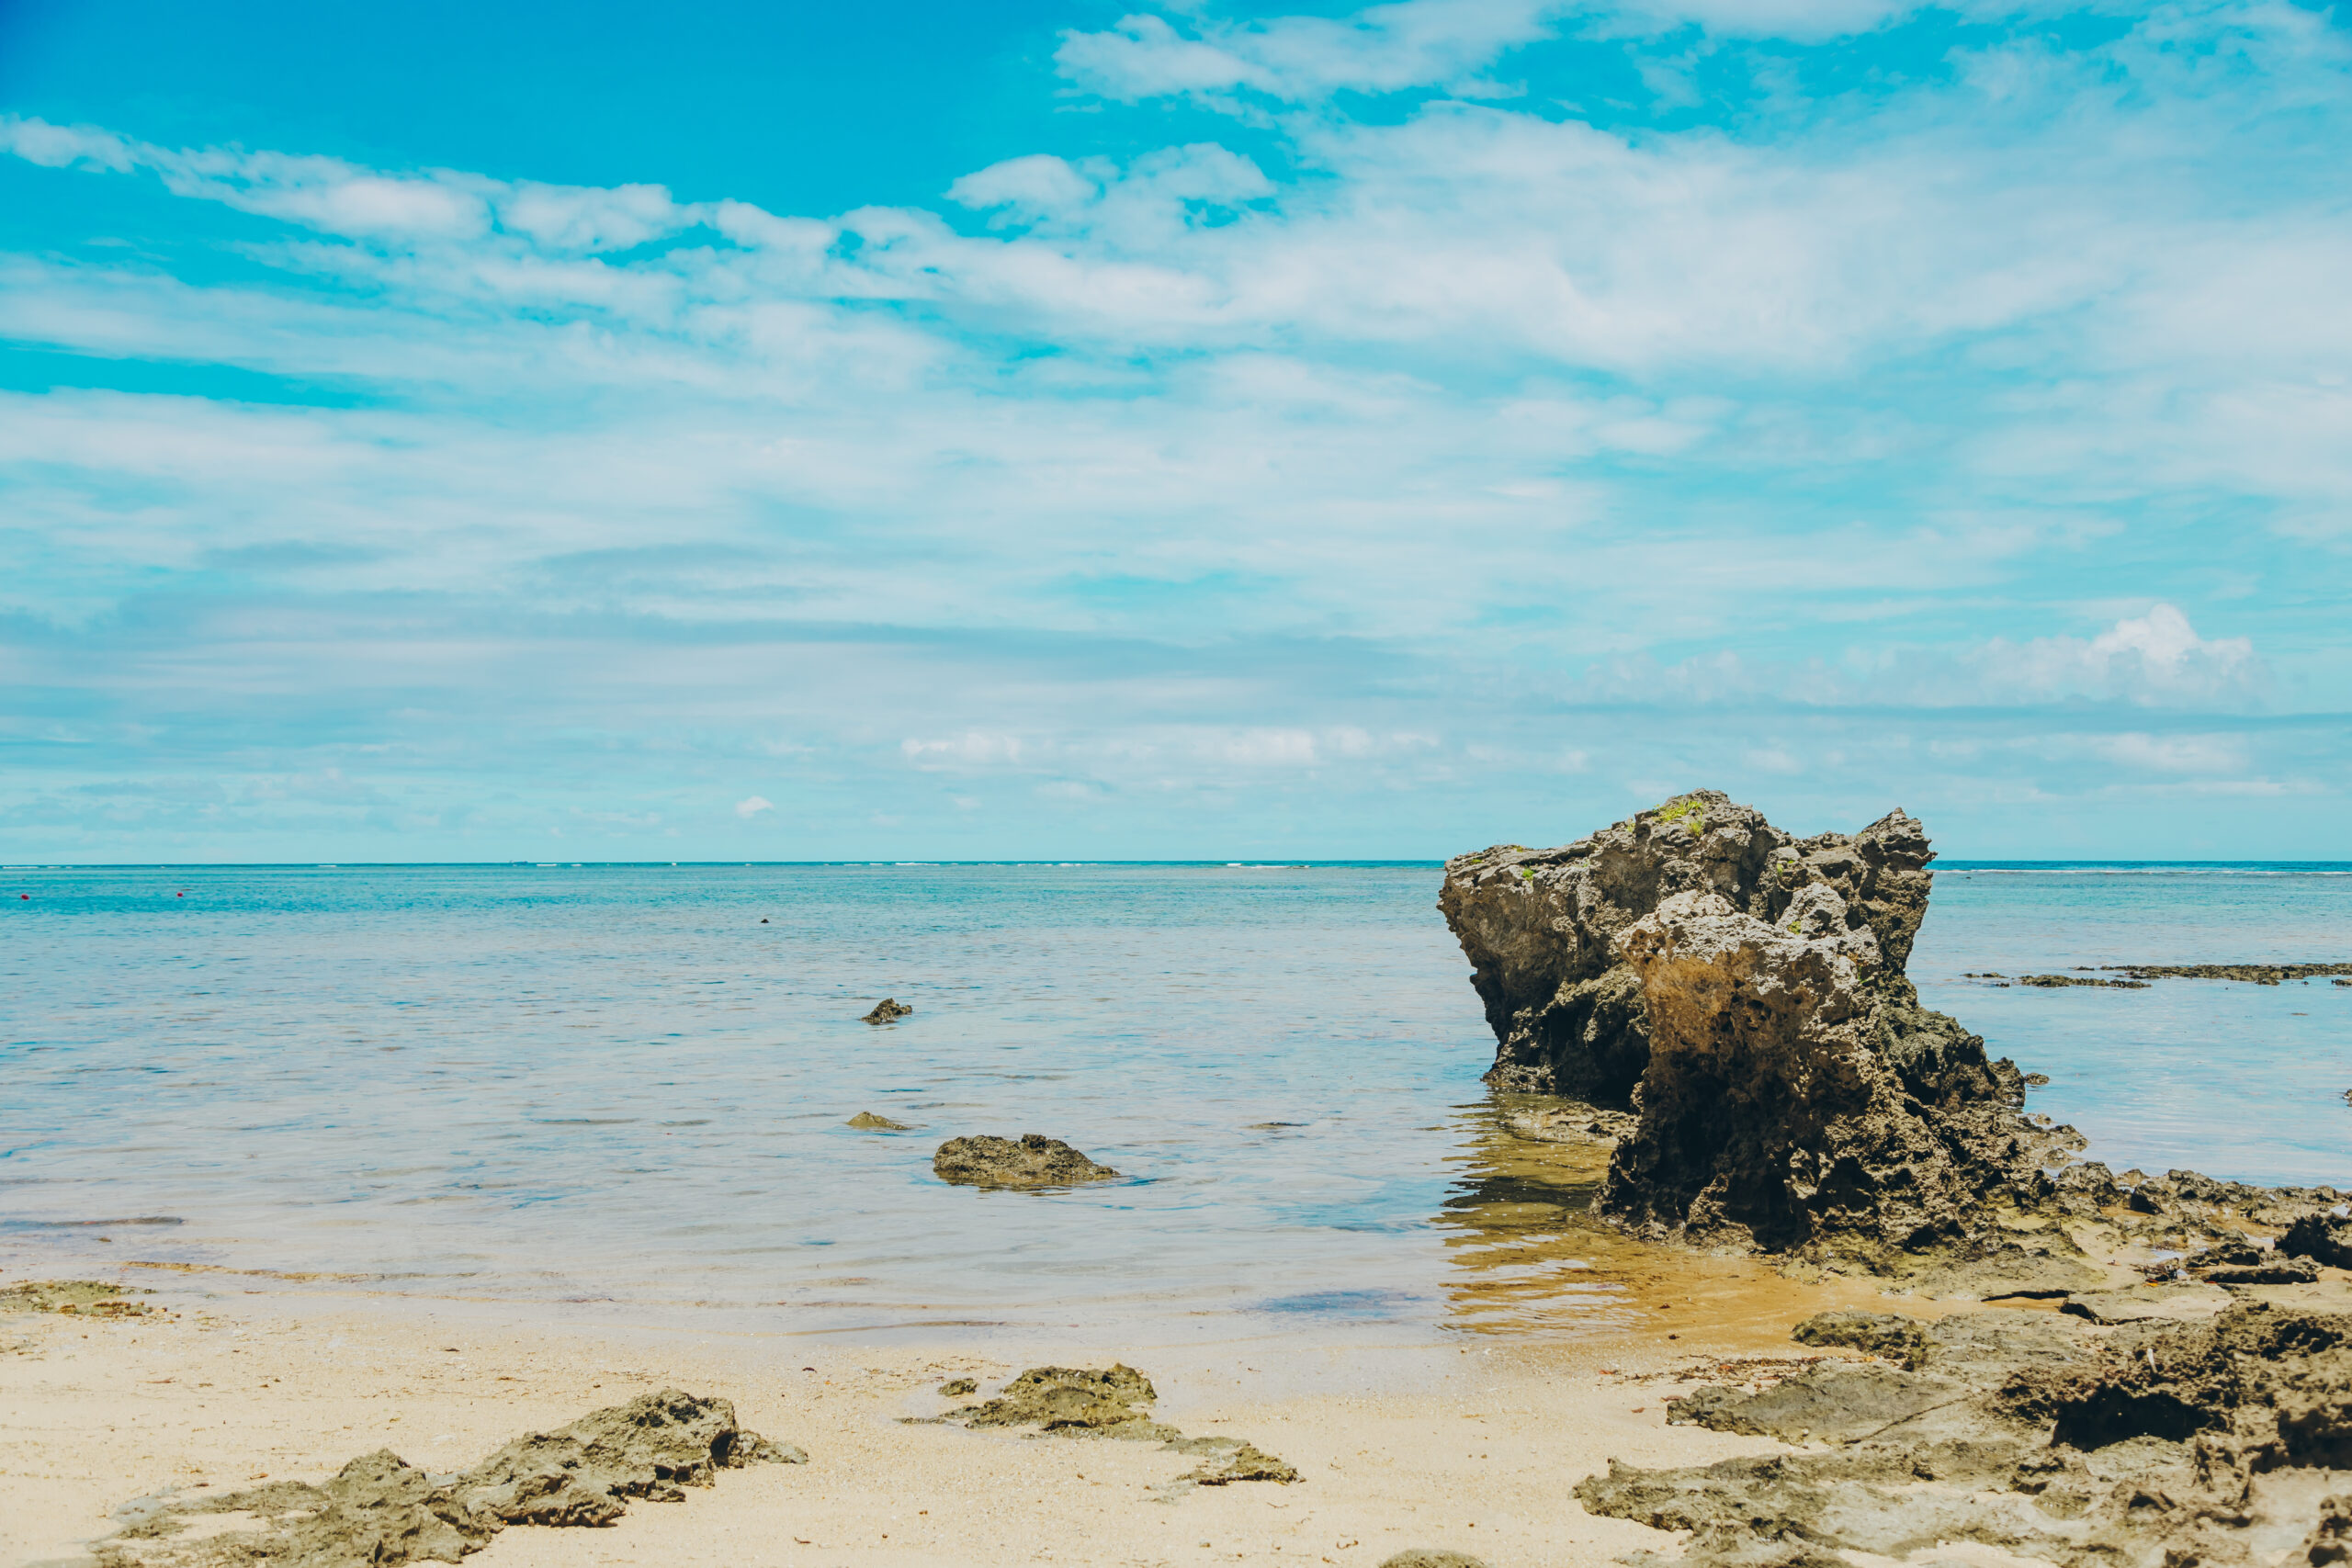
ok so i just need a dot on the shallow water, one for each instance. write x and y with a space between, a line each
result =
629 1084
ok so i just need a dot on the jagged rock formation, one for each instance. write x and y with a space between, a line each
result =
1743 990
380 1511
889 1009
2221 1443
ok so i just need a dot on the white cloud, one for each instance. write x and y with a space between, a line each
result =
2174 753
2157 658
1242 469
1380 49
751 805
973 749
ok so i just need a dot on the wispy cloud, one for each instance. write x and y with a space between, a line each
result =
1358 449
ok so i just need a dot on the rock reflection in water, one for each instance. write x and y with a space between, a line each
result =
1527 1254
1526 1251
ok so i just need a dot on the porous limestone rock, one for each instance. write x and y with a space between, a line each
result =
2139 1446
1114 1402
380 1511
1032 1160
1743 990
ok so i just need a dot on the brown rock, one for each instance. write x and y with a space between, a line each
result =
889 1009
379 1511
1743 990
1034 1160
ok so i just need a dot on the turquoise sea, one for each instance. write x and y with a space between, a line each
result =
627 1085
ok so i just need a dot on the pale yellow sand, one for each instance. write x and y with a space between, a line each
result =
1475 1445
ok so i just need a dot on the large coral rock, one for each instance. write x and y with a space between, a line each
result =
1743 990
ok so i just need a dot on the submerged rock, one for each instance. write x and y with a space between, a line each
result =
887 1010
94 1298
865 1121
1569 1123
380 1511
1742 991
2051 982
1034 1160
1112 1403
2259 974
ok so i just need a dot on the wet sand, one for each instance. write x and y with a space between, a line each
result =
1563 1342
1470 1445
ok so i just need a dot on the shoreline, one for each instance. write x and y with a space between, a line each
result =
1462 1440
1467 1445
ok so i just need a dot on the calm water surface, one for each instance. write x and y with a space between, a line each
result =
629 1084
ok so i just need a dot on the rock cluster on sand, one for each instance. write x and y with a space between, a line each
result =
381 1511
1034 1160
2219 1442
887 1010
1109 1402
1741 991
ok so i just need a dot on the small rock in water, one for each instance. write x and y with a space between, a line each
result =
867 1121
1034 1161
889 1011
2050 981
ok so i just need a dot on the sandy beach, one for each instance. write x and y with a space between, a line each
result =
228 1380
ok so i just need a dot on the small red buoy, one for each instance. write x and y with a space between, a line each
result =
179 895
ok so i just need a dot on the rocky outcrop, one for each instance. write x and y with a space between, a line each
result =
1742 990
380 1511
2148 1444
889 1009
1034 1160
1540 927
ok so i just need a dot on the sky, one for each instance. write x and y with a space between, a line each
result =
1089 431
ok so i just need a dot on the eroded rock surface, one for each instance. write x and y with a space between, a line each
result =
381 1511
1114 1402
2258 973
1742 991
887 1010
1031 1160
2137 1447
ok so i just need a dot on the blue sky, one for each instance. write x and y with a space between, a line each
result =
1089 431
